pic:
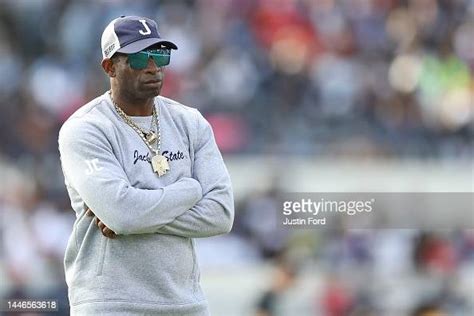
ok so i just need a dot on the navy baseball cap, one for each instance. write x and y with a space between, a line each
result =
131 34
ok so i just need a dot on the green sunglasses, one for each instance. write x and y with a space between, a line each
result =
139 60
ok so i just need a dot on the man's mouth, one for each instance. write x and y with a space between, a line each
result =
152 81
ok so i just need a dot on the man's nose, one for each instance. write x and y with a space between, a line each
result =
152 67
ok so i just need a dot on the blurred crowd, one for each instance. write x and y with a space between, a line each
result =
364 77
352 78
360 272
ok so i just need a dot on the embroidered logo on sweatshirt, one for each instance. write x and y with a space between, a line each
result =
169 155
93 166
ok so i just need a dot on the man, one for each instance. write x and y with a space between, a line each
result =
149 171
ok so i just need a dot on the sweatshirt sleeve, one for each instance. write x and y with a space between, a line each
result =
214 213
91 168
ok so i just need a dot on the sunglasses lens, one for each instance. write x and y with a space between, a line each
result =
139 60
161 60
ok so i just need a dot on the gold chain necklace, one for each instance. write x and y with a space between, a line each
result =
159 163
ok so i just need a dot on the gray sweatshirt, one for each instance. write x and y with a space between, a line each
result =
150 268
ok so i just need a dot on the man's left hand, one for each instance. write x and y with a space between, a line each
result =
107 232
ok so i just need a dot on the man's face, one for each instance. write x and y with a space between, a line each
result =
138 83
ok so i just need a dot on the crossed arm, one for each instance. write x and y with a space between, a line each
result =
201 206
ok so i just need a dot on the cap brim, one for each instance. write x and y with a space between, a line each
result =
140 45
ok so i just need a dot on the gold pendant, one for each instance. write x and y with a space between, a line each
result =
151 137
160 165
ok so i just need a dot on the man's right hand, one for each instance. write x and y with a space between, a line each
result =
107 232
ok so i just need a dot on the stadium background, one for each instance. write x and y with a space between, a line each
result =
303 95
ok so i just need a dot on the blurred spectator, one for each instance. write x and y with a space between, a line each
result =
260 223
434 254
283 278
337 299
428 310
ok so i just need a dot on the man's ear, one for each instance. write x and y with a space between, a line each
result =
109 67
